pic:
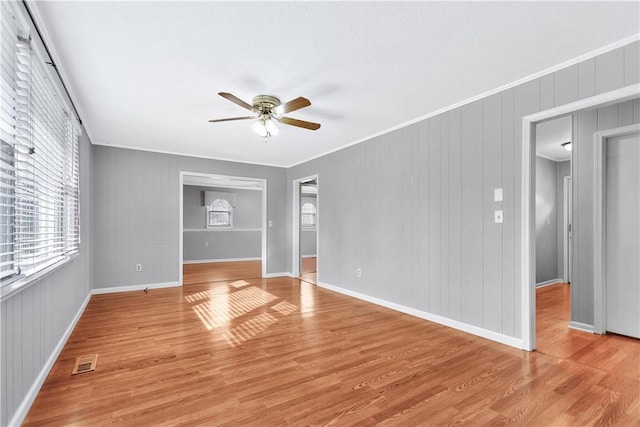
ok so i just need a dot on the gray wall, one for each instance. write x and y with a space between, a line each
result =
308 238
137 213
34 320
432 245
562 169
243 240
247 213
222 245
546 220
549 218
585 125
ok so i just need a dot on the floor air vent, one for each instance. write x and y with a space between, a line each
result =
85 364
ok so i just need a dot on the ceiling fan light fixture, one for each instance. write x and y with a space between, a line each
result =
271 127
265 127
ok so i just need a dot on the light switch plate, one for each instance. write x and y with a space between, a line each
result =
498 217
497 194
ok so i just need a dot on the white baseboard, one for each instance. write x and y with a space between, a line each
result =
271 275
549 283
115 289
582 327
465 327
206 261
31 395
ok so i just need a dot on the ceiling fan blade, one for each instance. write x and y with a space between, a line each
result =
299 123
238 101
293 105
232 118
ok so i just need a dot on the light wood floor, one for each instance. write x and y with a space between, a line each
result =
610 353
309 270
275 352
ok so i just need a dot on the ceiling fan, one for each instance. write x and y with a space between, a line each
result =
268 109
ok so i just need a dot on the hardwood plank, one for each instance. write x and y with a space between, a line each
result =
302 355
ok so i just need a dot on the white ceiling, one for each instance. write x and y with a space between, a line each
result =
550 136
146 74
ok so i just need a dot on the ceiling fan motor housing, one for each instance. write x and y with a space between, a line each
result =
265 103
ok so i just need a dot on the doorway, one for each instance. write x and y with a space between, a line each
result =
553 148
305 228
528 225
309 231
553 144
233 186
617 236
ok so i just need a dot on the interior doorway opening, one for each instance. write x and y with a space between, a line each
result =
305 228
553 144
528 206
553 148
223 205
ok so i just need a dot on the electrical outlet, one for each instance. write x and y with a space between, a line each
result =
358 272
206 244
138 267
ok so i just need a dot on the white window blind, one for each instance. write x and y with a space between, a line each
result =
219 213
39 169
8 118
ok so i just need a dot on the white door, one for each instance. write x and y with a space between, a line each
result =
622 234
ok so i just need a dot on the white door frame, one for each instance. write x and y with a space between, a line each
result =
527 201
567 215
295 241
181 219
600 230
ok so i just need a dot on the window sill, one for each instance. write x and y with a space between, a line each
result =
19 285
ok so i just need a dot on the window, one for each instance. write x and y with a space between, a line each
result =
308 215
39 164
219 214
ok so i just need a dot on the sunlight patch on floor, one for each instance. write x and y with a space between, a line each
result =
239 283
223 306
285 308
249 329
220 309
209 293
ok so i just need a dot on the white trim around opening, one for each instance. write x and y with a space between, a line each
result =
527 201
